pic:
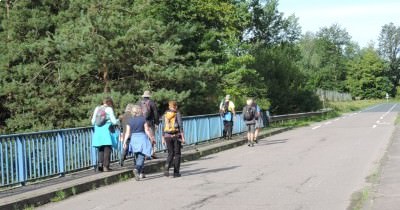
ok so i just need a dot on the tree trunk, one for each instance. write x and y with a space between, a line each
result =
105 79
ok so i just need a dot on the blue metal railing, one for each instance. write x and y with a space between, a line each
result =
32 156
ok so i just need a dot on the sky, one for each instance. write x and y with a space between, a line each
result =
362 19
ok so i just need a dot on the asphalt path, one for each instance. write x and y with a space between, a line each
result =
315 167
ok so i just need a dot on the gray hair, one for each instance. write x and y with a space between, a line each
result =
136 110
128 108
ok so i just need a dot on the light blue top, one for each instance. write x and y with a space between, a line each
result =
102 135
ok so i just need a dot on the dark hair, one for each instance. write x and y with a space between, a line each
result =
108 100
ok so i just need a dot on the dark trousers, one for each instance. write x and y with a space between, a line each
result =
104 156
174 153
228 126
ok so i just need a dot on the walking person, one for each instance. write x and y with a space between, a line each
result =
173 137
150 112
141 139
259 121
249 117
227 111
124 119
103 120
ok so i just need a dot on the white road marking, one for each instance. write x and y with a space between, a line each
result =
327 123
336 119
316 127
374 126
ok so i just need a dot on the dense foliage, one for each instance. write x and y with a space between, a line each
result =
60 58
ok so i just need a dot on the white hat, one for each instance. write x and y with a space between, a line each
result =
146 94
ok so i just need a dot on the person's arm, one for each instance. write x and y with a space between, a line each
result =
155 113
111 114
233 109
127 131
180 124
149 133
94 115
162 129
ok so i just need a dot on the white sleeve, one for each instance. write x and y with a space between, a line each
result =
94 115
110 113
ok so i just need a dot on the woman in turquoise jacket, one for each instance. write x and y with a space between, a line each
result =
103 136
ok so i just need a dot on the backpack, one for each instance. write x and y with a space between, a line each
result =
249 113
146 110
101 116
226 107
171 124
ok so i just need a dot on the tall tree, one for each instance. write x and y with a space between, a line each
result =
389 48
366 76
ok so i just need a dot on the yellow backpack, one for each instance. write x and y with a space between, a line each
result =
171 124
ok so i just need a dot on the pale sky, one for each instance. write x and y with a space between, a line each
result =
362 19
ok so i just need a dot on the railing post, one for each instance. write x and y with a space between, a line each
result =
21 165
61 154
195 130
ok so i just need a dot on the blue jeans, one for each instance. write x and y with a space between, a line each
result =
139 161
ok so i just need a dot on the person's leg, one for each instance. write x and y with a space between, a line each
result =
229 129
124 153
107 156
224 131
100 158
256 134
252 133
170 147
139 165
248 135
177 156
154 148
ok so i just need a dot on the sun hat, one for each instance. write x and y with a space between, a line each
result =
146 94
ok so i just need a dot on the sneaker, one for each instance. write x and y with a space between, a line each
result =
100 168
142 176
136 174
177 175
256 141
121 162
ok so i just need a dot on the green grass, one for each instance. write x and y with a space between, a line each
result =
60 195
351 106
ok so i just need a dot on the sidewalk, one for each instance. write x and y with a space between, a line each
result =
71 184
386 193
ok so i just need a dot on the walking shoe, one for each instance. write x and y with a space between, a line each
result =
121 162
256 141
177 175
136 174
142 176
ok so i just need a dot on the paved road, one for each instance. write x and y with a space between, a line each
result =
315 167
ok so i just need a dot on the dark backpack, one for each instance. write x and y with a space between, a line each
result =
249 113
101 116
146 110
226 107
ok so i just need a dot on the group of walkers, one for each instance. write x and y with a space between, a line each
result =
252 116
139 123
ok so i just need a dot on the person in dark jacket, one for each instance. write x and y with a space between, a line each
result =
173 137
150 112
249 117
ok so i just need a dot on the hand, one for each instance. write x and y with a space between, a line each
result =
163 140
124 145
153 141
183 140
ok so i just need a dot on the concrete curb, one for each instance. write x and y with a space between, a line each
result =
61 191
